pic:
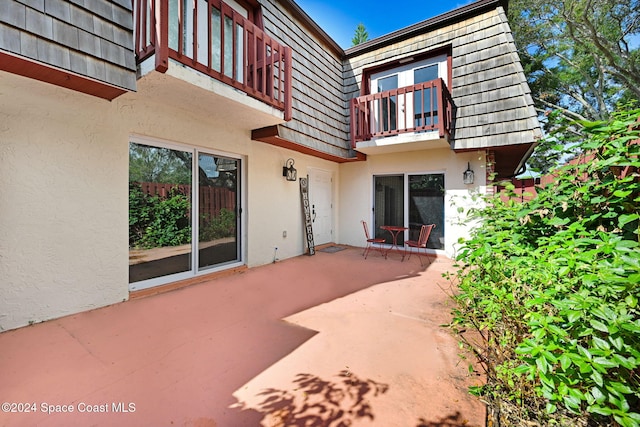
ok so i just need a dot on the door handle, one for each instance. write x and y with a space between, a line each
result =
313 212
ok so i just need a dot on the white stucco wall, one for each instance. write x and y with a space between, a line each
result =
64 193
63 211
275 203
356 188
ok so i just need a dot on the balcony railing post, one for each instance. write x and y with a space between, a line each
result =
161 35
288 83
443 106
354 120
428 102
244 57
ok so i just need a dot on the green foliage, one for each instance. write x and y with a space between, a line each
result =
581 55
581 59
361 35
139 214
157 164
223 225
155 221
551 286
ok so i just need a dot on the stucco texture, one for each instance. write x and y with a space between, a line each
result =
356 188
63 165
64 204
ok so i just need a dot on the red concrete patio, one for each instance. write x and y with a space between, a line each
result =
327 340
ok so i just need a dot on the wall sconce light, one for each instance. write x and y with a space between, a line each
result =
289 171
467 176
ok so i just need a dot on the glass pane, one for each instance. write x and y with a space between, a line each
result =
388 83
173 24
426 206
217 220
203 33
425 74
423 100
159 212
388 205
187 28
240 53
216 47
228 46
387 105
422 107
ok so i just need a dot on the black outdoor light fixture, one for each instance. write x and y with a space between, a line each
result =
467 176
289 171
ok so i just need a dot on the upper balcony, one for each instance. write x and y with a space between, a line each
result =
215 41
403 119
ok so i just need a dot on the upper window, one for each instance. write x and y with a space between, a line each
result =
416 107
410 74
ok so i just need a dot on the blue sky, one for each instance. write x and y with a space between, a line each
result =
339 19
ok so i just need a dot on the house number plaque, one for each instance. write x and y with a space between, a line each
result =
308 229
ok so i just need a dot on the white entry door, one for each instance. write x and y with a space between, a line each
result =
321 198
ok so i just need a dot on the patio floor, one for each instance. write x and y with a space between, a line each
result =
327 340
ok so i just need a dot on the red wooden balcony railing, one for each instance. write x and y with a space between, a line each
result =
422 107
216 40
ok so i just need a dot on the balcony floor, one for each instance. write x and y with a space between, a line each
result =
413 141
327 338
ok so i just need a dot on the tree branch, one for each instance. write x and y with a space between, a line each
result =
564 111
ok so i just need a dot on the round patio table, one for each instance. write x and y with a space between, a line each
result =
395 230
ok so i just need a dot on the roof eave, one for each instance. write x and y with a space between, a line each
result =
428 25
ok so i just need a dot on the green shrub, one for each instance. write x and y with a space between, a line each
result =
223 225
156 221
550 287
140 214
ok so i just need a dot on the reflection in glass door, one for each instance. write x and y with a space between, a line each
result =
425 105
426 206
410 201
174 231
159 212
217 207
386 108
388 205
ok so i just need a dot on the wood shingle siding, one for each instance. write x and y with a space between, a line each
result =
489 89
93 40
320 117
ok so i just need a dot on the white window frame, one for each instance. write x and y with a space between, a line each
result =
241 201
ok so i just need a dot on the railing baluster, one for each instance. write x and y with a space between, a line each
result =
161 16
257 64
265 53
245 57
432 96
234 46
288 83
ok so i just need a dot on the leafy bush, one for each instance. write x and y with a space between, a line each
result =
140 213
223 225
155 221
550 288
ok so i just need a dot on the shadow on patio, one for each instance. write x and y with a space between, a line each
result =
327 340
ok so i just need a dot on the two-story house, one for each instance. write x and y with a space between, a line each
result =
110 108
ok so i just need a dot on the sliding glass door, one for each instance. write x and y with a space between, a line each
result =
175 231
388 205
217 206
409 201
426 206
159 212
